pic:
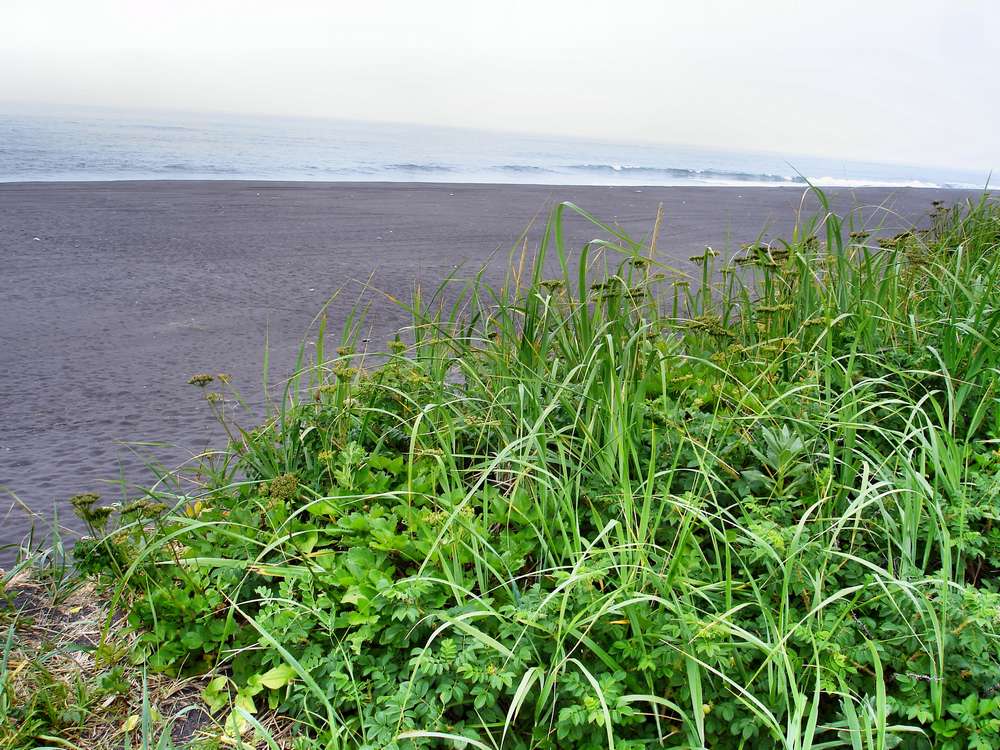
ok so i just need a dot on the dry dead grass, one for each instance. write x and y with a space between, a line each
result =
64 653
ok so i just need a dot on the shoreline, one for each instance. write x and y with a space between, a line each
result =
443 183
119 291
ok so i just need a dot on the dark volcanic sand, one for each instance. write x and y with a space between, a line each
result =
113 294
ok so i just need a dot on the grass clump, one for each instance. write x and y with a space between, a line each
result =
613 509
66 680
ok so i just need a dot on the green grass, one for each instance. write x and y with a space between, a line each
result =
610 509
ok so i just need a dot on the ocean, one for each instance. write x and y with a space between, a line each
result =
98 144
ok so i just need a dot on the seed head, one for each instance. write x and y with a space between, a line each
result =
344 373
201 379
285 487
84 502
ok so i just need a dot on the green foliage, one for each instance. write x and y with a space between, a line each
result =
610 510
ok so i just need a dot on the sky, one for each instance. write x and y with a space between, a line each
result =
907 81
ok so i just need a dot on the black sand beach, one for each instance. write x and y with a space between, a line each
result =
114 294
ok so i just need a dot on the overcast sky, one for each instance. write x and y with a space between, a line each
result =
910 81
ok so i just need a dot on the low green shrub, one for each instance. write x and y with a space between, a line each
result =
608 510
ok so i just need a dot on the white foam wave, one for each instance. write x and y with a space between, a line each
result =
850 183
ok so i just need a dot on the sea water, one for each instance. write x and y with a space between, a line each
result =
100 144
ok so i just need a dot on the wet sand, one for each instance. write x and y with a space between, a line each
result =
112 294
